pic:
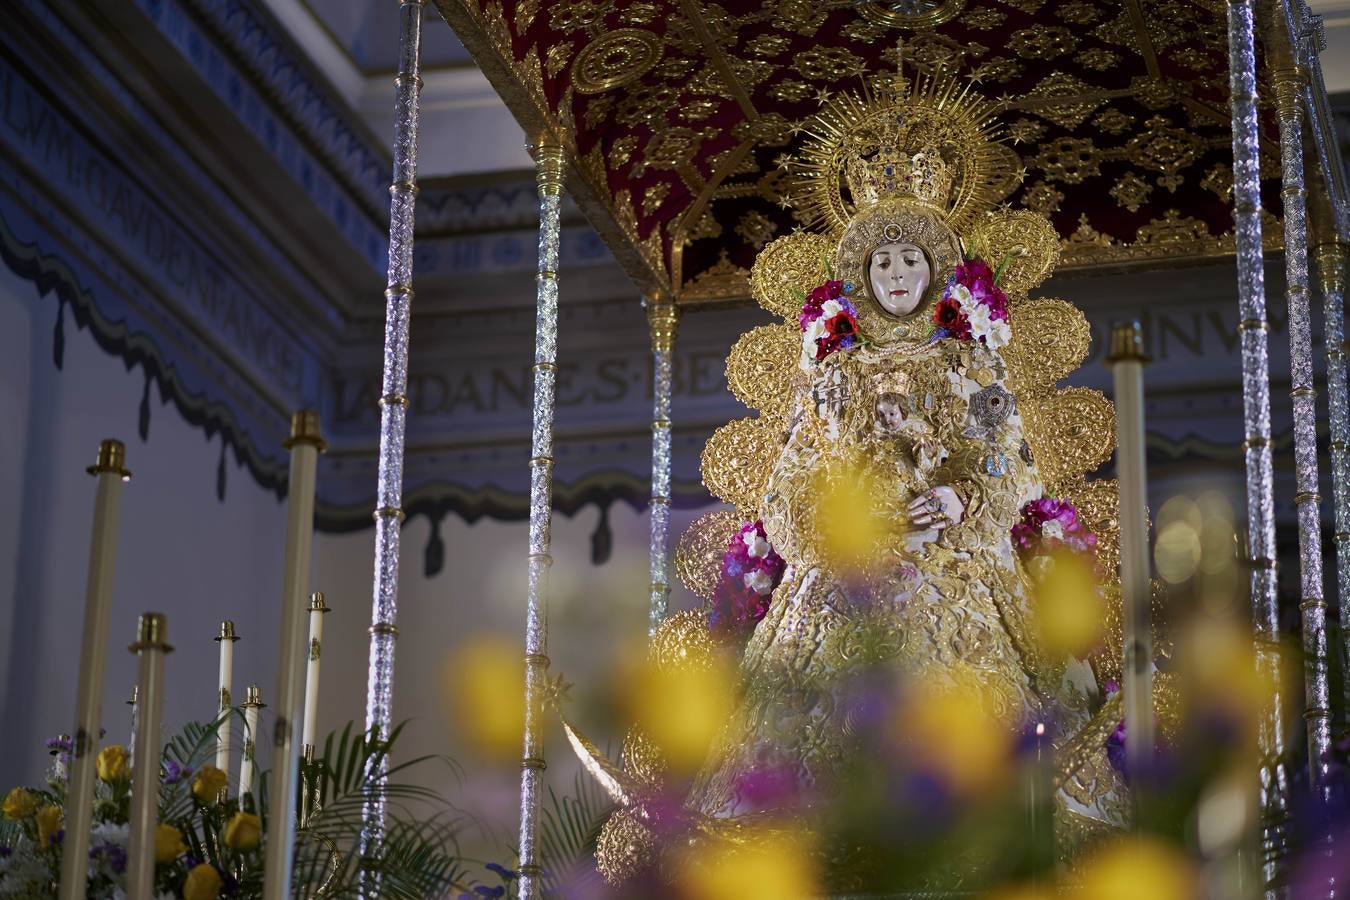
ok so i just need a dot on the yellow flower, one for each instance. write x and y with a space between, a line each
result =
1144 868
19 804
203 883
208 784
112 763
168 844
48 824
242 831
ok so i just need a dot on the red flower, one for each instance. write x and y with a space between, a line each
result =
948 315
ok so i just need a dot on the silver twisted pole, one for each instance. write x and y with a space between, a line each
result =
393 422
549 165
1289 87
1331 268
662 317
1253 329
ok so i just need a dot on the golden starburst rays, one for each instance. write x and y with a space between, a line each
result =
931 113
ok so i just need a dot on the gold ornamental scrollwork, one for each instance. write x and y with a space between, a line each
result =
737 460
698 555
1023 242
763 366
787 269
1071 432
1051 338
911 13
617 58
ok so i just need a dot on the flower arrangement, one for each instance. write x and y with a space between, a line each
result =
209 844
1048 526
751 570
973 307
829 322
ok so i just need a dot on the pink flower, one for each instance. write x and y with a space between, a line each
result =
1048 523
751 570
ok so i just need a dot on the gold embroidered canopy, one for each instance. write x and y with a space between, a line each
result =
677 115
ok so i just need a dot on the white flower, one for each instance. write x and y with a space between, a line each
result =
999 335
961 294
980 321
756 546
758 581
828 310
1040 566
1053 530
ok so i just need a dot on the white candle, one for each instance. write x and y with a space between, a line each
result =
110 470
1127 364
150 647
317 609
226 639
252 703
305 444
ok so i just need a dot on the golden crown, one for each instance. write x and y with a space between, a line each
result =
891 172
933 140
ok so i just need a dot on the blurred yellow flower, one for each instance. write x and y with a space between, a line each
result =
1224 676
19 804
1069 608
208 785
484 688
1134 869
954 733
168 844
203 883
1021 892
243 831
683 710
111 763
48 824
772 866
854 526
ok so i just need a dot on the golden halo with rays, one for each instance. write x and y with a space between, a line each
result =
934 113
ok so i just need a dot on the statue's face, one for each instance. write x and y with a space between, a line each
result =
899 275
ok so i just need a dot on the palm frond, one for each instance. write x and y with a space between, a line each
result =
567 837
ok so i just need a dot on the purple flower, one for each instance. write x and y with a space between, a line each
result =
115 856
1115 750
60 744
502 872
174 773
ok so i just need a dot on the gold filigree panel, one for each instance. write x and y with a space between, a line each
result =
699 552
1051 338
788 268
737 460
1071 431
763 368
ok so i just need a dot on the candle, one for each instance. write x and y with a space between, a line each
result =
226 639
150 647
110 470
305 444
1127 364
317 609
252 703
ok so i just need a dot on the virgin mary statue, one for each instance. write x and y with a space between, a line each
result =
912 469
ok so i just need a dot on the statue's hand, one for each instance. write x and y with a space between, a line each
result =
937 508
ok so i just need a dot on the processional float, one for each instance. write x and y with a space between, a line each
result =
563 68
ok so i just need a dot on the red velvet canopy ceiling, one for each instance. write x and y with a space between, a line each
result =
676 114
